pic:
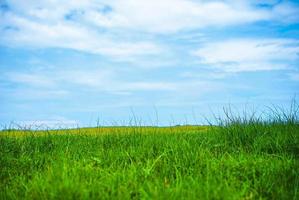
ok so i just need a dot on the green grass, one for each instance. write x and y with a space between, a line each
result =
241 158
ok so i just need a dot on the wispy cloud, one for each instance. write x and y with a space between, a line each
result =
58 84
152 16
105 27
22 32
170 16
24 94
30 79
237 55
101 55
99 80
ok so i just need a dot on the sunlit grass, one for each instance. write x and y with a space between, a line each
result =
243 157
104 131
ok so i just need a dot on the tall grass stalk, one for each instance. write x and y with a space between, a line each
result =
242 157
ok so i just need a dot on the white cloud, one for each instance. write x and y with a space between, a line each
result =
30 33
151 16
109 81
169 16
45 84
205 75
249 54
115 27
50 10
30 79
37 93
61 84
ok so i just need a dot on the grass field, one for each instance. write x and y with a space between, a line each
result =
240 158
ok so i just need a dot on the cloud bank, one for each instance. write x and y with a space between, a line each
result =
124 28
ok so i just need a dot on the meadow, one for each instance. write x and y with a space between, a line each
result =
239 157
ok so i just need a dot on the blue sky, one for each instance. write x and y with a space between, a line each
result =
164 62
